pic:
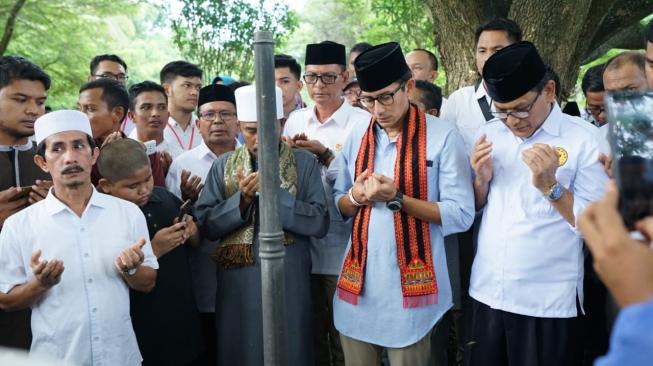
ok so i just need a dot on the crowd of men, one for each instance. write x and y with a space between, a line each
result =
418 230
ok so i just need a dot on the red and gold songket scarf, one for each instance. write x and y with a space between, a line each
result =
418 283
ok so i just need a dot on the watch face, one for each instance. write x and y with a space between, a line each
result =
393 206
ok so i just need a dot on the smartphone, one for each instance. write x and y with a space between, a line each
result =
24 192
630 115
184 209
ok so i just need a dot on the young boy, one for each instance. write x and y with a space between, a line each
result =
166 321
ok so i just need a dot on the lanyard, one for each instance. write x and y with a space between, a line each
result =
181 144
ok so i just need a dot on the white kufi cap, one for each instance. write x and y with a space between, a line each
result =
61 121
246 103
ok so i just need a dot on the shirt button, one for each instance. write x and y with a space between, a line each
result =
96 338
94 310
86 255
82 229
90 280
149 214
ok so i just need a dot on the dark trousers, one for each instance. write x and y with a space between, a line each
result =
326 339
15 329
595 328
501 338
208 356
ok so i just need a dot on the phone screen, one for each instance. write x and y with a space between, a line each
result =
183 210
630 115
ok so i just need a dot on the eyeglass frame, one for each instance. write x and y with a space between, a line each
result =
108 75
373 100
219 116
600 110
320 77
526 110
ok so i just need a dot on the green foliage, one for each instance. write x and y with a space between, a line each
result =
218 34
62 37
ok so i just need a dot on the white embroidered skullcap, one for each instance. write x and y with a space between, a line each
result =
61 121
246 103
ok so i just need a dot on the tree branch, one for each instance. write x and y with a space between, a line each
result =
628 38
9 26
621 14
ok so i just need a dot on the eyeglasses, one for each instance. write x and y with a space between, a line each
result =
595 110
326 78
384 99
519 113
211 116
108 75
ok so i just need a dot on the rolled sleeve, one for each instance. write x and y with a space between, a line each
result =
590 181
12 268
456 201
339 171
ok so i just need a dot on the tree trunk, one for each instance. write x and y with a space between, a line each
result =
9 26
565 32
455 22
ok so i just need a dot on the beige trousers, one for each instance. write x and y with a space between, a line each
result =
358 353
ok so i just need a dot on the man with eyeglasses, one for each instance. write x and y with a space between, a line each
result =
535 170
218 124
228 211
113 67
322 130
182 81
405 181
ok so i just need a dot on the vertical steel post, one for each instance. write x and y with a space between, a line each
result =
271 249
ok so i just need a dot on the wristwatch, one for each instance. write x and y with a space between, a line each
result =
325 156
396 203
555 192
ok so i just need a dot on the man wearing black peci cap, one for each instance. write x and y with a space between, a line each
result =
404 180
535 169
322 130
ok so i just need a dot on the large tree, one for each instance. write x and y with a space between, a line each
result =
218 34
567 33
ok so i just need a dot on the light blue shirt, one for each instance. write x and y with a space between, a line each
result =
631 342
379 317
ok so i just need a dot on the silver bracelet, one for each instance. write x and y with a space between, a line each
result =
352 199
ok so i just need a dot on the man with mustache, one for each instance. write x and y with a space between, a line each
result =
23 88
148 108
100 242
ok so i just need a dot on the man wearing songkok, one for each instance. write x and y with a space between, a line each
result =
73 256
165 320
228 210
404 180
148 108
323 130
23 88
536 169
218 126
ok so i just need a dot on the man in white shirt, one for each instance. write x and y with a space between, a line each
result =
323 130
182 82
218 125
148 108
469 107
80 316
536 169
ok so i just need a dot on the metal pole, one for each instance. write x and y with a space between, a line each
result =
271 249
